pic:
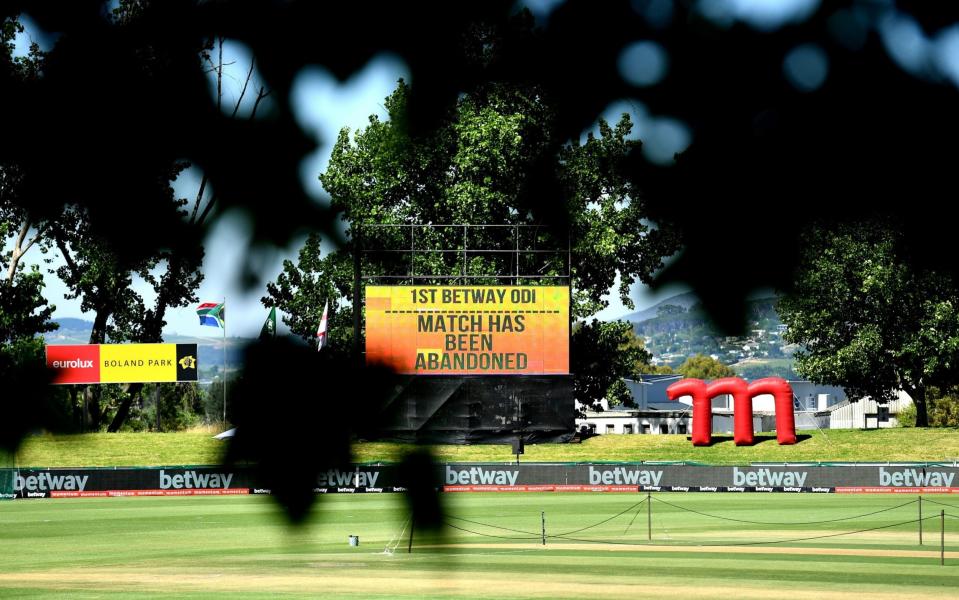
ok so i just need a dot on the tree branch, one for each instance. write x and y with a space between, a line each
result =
58 237
236 108
260 95
199 198
206 211
249 75
219 78
17 252
34 239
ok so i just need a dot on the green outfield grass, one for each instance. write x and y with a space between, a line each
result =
240 547
143 449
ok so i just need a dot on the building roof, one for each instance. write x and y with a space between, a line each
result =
653 378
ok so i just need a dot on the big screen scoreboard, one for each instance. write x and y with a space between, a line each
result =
468 330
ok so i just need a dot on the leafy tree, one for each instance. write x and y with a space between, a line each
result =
303 289
475 169
701 366
102 278
943 408
635 346
101 273
16 222
608 219
867 319
23 310
601 355
764 370
179 405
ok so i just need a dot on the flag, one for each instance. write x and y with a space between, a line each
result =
212 314
321 331
269 326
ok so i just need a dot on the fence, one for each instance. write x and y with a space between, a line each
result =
925 478
893 528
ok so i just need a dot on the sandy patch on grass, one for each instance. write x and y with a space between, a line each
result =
392 583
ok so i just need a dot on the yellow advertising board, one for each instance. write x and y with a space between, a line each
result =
128 363
433 330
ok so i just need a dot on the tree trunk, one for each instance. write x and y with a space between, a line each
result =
919 399
91 401
19 248
17 253
124 410
98 334
77 409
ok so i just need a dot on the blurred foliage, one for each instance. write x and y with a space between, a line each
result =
872 129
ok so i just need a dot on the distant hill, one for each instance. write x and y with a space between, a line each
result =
678 334
71 331
760 312
686 300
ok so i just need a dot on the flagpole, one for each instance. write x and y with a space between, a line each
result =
223 320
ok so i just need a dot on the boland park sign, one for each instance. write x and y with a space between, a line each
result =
122 363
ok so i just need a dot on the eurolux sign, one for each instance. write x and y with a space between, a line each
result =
122 363
491 477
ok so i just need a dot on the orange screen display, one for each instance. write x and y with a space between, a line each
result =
442 330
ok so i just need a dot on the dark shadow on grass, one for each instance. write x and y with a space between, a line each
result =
759 439
800 437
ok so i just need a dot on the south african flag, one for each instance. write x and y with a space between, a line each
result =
212 314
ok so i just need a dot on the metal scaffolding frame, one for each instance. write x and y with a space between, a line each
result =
516 248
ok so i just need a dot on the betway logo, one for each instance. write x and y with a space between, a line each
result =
915 478
48 481
479 475
72 364
194 480
624 476
337 478
767 477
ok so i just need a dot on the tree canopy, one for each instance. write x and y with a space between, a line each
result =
601 355
701 366
474 170
302 290
868 319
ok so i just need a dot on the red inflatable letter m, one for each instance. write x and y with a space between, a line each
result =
743 395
